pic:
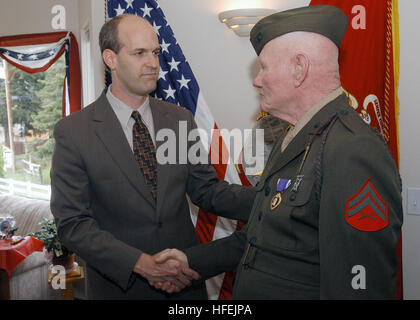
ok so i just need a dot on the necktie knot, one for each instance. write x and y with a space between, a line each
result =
136 116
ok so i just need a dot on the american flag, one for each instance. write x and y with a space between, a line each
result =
177 84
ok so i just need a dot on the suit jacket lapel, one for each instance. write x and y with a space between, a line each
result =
109 131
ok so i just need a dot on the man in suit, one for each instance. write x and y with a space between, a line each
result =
328 211
114 203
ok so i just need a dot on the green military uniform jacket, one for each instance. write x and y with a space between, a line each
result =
333 235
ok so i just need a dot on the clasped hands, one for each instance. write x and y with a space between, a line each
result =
167 270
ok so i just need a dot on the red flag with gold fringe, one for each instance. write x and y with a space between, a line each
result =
369 71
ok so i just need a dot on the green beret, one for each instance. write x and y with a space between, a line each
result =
326 20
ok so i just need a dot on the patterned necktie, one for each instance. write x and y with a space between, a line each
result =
145 153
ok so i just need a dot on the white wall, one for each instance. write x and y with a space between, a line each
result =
92 14
23 16
409 137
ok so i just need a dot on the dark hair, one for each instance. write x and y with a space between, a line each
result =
108 36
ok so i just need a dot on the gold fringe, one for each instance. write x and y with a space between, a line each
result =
396 55
261 115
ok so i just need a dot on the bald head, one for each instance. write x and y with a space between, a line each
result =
132 22
314 51
298 70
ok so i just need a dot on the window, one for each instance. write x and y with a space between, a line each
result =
30 106
39 83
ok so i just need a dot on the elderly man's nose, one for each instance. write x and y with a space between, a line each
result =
257 80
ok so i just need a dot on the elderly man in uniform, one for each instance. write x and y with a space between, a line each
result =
328 212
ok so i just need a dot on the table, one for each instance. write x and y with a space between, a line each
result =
11 255
76 274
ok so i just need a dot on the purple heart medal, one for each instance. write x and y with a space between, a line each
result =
282 185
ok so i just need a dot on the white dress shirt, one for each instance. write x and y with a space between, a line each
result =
123 113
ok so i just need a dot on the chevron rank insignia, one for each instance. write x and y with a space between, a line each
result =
366 210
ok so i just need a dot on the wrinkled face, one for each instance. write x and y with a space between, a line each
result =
136 65
274 80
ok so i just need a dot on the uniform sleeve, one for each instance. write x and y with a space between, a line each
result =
217 256
214 195
360 220
77 228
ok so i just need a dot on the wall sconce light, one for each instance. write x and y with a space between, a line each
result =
242 20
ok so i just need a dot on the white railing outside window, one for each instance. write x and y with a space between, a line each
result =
25 188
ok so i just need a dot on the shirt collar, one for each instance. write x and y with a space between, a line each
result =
122 111
302 122
315 108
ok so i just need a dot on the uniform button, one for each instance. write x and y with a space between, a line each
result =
267 190
259 216
292 197
252 240
344 112
159 224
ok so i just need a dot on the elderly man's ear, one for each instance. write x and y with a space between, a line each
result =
301 68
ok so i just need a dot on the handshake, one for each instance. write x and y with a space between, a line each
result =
167 270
